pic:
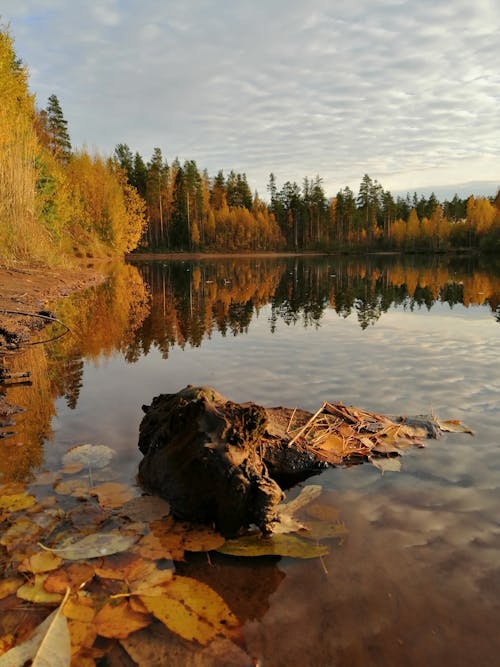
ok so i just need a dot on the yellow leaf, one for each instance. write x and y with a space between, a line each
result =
9 586
48 645
7 642
387 464
34 591
16 502
275 545
119 620
454 426
43 561
82 635
79 609
192 610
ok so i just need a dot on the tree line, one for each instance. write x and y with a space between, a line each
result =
188 210
56 201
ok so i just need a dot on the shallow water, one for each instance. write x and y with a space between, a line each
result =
416 580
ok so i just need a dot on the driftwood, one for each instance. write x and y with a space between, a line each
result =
226 463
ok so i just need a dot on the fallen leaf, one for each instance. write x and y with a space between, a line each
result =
454 426
16 502
21 532
94 546
387 464
113 494
192 610
9 586
79 488
318 530
79 608
119 620
87 514
322 512
45 478
274 545
72 576
43 561
92 456
287 522
7 642
72 468
34 591
142 577
170 539
82 635
49 645
145 508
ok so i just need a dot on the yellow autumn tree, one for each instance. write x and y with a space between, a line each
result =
20 235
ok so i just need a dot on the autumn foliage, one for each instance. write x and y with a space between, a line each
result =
54 203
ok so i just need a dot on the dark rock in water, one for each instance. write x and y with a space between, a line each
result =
202 453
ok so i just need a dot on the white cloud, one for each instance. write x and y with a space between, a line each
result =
408 92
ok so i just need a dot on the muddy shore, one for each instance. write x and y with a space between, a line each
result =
32 290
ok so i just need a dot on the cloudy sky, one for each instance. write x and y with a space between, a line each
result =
407 91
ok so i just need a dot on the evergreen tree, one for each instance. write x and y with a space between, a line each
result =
57 128
123 155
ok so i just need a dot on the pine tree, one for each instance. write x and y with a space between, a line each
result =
57 127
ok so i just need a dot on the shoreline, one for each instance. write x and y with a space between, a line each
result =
27 289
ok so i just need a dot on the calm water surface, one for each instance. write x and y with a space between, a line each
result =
416 581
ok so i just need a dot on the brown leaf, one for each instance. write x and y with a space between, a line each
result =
21 532
146 508
112 494
72 576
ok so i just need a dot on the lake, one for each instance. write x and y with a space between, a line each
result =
416 578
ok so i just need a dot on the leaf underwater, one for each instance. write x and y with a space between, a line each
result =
95 546
92 456
274 545
192 610
287 522
48 646
16 502
454 426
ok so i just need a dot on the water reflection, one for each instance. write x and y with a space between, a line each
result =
102 320
180 303
192 299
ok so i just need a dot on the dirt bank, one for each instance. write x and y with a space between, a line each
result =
31 290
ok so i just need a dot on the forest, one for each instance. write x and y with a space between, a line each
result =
57 203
